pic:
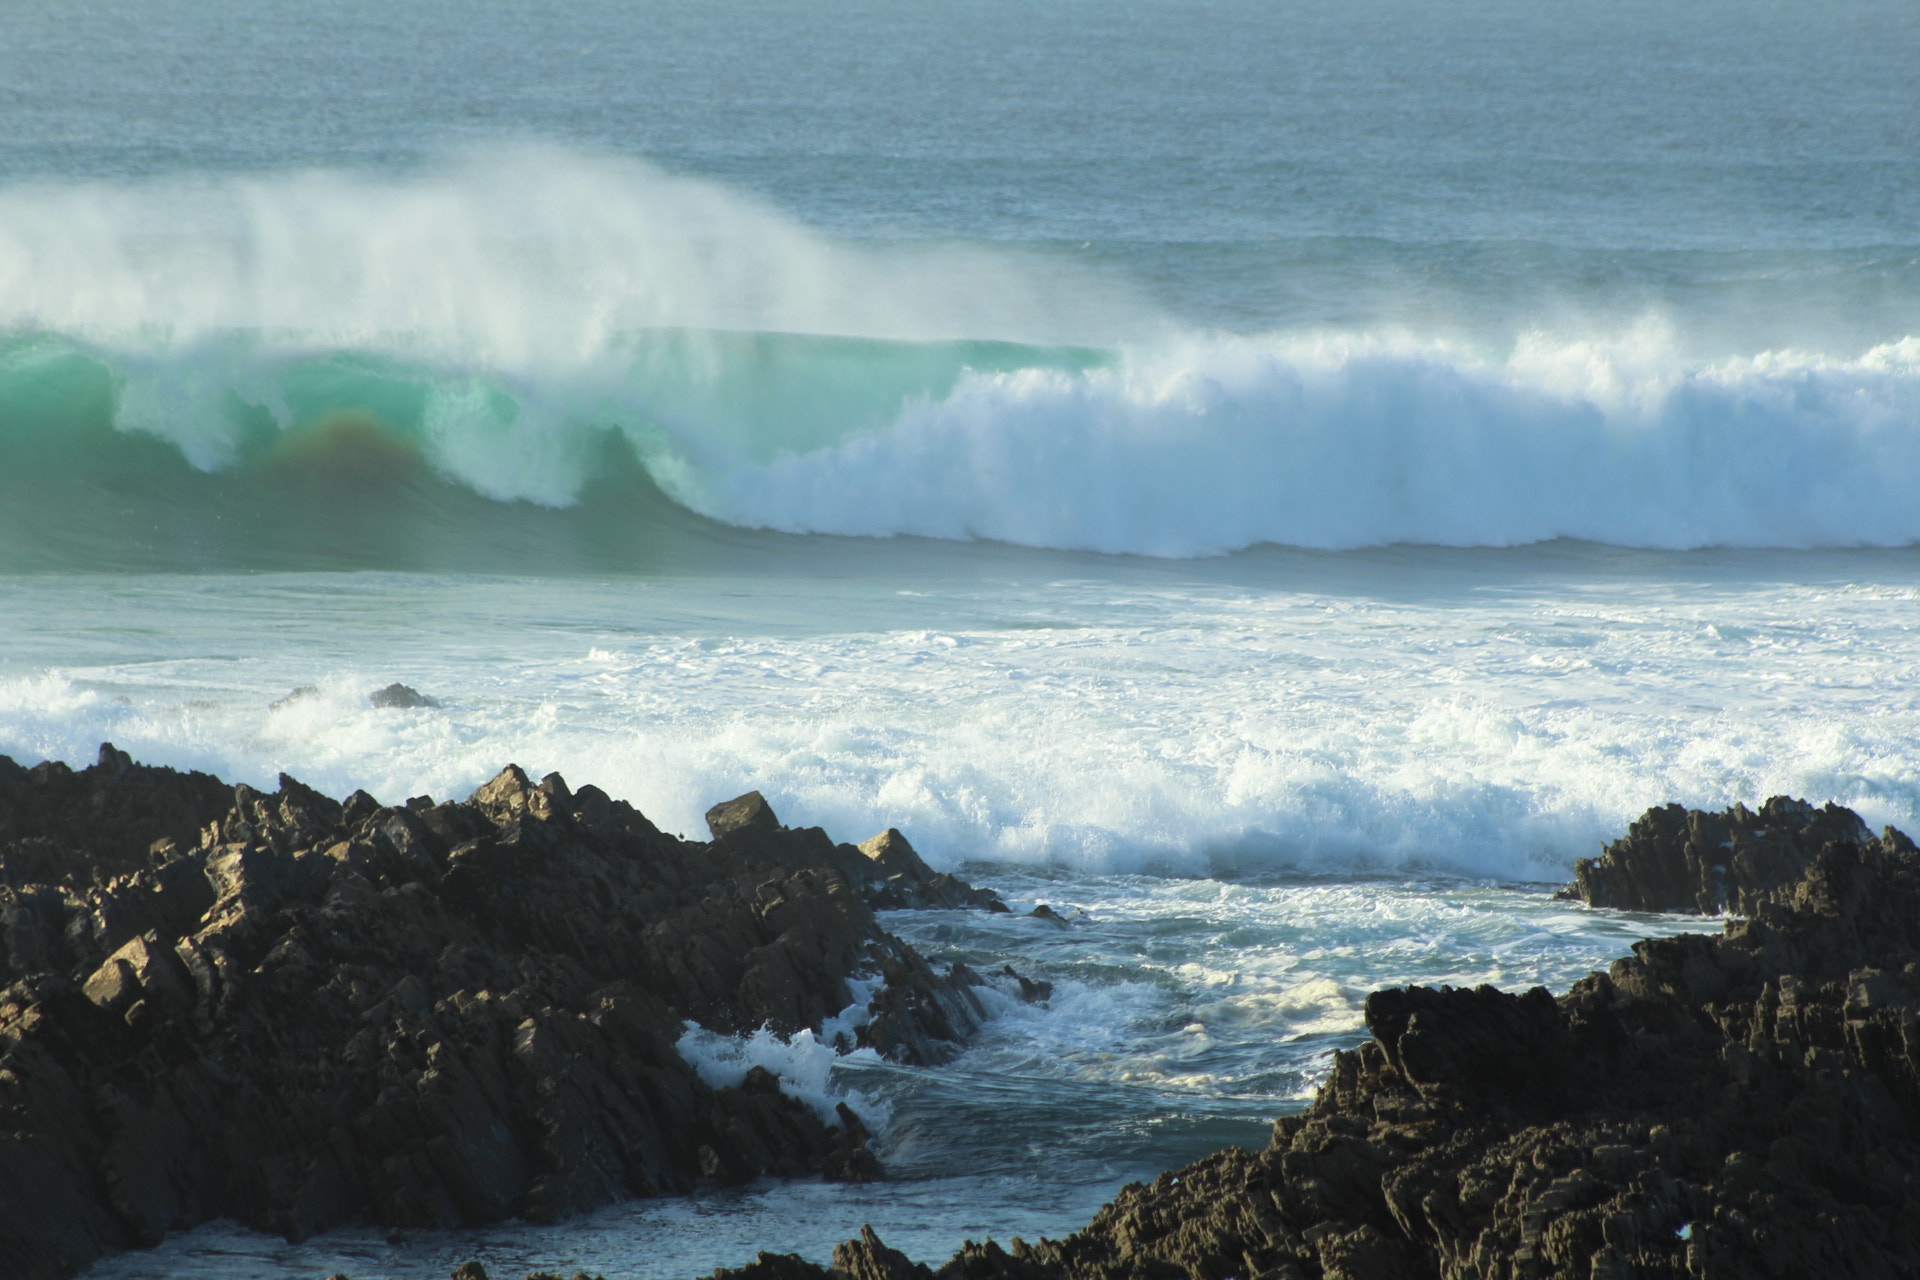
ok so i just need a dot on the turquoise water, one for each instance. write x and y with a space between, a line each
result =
1163 279
1281 482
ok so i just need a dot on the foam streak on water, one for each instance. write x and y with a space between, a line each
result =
1494 725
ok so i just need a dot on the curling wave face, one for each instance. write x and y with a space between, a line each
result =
555 360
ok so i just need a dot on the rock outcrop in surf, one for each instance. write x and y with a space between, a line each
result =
296 1012
1691 860
1735 1105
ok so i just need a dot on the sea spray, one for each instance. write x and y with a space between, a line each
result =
620 354
1196 447
516 257
1284 712
1338 441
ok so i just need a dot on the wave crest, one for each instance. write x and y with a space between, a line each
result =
1343 442
533 330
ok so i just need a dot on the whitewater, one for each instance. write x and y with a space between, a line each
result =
1276 486
474 328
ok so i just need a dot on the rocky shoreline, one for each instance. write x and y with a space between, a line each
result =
1737 1105
297 1012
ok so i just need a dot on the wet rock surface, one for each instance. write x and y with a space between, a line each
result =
297 1012
401 696
1744 1104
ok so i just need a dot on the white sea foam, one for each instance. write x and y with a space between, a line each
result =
805 1064
1359 440
1195 728
513 305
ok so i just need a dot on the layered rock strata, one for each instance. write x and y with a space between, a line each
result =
296 1012
1737 1105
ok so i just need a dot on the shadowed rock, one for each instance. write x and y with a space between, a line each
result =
294 1012
399 695
1675 859
1737 1105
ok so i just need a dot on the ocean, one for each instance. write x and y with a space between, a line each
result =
1277 483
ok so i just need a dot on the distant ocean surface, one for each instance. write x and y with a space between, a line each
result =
1276 482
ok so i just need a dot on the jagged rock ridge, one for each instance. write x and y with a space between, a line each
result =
1692 860
295 1011
1740 1105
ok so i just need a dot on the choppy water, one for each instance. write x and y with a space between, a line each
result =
1284 481
1185 1014
1260 788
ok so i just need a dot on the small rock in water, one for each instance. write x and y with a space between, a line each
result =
740 813
1047 913
400 695
299 694
469 1270
1031 991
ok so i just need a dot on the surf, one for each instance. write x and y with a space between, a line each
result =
541 361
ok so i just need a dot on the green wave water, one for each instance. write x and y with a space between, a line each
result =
242 452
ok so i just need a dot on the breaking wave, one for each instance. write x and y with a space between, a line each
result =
546 359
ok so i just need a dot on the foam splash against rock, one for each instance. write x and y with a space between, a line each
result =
295 1012
1732 1105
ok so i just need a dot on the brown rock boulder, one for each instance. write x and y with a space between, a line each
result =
748 812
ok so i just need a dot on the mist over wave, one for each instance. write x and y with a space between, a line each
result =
518 257
547 356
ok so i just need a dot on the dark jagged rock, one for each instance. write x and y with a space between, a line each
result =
399 695
297 1012
1047 913
59 827
920 1016
1737 1105
773 1266
1676 859
868 1258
